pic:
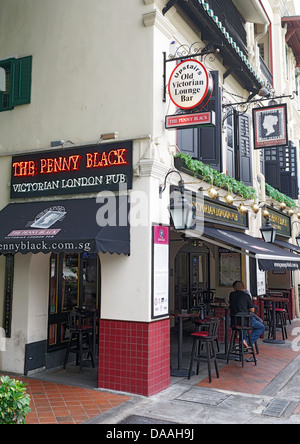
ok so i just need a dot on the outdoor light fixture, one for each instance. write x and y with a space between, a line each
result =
182 212
268 232
109 136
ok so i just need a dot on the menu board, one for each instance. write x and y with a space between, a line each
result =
160 271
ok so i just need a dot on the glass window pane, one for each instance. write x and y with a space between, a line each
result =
69 282
53 284
89 280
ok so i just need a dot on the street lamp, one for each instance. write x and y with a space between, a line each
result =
268 232
182 212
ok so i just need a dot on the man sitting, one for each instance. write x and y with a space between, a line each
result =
240 301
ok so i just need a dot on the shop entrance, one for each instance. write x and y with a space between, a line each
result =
74 282
191 276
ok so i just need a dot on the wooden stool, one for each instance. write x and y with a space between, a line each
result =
209 338
83 334
241 325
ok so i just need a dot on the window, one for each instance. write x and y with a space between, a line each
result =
74 281
239 147
17 81
205 143
281 169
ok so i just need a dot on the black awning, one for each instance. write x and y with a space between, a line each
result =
288 245
77 225
268 255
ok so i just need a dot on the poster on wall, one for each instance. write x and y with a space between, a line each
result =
230 268
261 281
270 126
160 271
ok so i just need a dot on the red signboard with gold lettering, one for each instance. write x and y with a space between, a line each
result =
72 171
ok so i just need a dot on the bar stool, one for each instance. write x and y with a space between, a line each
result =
202 324
280 321
83 336
209 338
242 324
208 298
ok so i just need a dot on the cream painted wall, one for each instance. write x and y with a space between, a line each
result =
30 309
92 70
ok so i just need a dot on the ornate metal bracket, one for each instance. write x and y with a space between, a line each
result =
185 52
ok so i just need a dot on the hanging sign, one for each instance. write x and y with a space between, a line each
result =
190 85
270 126
191 120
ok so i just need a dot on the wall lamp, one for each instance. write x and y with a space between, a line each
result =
268 232
182 212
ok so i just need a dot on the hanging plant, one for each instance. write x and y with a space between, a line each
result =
279 197
219 179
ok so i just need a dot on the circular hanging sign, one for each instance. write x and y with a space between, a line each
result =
190 85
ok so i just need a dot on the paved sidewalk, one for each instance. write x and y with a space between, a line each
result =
240 395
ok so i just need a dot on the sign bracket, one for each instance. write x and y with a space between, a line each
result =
188 55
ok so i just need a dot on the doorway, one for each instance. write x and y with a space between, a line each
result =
74 282
191 276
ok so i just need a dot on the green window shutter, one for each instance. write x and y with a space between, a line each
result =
21 81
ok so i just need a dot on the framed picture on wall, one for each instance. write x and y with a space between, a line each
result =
230 267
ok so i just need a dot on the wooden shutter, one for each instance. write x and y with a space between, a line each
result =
230 146
187 141
272 173
210 138
21 81
245 149
205 143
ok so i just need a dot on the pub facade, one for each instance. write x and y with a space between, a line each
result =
93 120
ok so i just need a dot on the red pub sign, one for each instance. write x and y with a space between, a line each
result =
190 120
72 171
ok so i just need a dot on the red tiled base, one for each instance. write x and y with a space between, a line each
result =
134 356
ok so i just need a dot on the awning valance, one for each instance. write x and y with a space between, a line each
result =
77 225
269 256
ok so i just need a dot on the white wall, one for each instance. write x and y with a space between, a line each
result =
92 70
30 309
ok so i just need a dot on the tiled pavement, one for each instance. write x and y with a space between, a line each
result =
251 379
56 403
53 403
61 404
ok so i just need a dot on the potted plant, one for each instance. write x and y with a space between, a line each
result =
14 402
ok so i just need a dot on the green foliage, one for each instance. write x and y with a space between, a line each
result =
14 402
219 179
280 197
239 188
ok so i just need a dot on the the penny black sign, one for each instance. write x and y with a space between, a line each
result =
87 169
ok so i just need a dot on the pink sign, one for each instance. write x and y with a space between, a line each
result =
161 235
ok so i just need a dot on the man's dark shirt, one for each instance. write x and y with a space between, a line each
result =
239 301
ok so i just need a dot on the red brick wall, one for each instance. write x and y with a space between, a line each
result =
134 356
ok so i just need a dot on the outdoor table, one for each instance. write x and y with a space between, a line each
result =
226 335
182 371
273 300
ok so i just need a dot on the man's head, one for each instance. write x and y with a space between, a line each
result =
238 286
